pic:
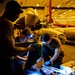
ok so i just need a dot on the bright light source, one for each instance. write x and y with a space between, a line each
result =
58 6
53 10
37 5
70 10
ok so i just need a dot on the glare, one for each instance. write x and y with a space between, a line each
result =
31 36
70 10
58 6
67 70
53 10
43 42
55 17
37 5
35 73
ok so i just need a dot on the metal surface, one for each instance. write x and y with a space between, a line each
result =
52 32
57 5
60 9
64 9
69 33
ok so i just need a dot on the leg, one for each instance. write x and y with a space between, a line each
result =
18 64
58 61
56 64
32 58
7 66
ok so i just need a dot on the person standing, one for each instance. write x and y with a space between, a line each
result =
7 44
52 47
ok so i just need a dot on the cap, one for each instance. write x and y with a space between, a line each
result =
13 5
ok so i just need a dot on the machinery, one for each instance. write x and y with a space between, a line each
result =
69 32
54 33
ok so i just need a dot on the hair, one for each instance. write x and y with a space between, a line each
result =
25 32
45 37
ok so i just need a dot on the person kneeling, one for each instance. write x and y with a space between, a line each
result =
52 47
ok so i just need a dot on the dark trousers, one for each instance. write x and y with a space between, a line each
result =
7 66
32 58
47 52
18 65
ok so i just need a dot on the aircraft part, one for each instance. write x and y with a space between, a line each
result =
53 33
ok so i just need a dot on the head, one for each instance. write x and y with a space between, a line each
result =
24 35
12 10
46 38
25 32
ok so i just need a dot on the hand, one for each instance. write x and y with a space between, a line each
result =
47 63
31 46
52 63
24 59
35 46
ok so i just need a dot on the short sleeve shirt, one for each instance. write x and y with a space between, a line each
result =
52 46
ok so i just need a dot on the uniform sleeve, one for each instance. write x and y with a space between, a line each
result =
57 42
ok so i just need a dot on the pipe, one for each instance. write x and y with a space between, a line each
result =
64 25
50 11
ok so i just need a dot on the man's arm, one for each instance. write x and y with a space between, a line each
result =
13 50
56 54
17 57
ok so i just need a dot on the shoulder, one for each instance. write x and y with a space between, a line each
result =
59 43
6 25
56 39
5 22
